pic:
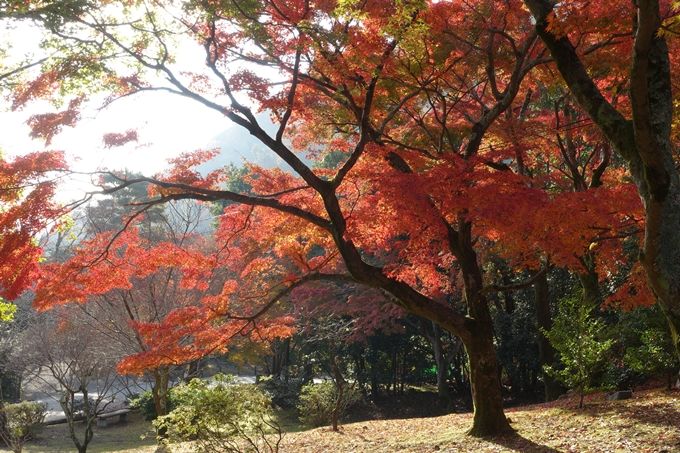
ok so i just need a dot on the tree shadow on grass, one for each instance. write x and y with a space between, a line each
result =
661 414
521 444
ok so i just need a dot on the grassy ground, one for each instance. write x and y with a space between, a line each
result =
133 435
648 423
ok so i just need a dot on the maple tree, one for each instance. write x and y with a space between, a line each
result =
577 158
641 128
27 207
67 357
136 280
427 110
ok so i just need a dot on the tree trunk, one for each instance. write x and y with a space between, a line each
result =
68 405
3 415
485 382
375 392
160 396
442 361
281 357
590 281
442 367
487 400
192 371
160 390
546 353
339 384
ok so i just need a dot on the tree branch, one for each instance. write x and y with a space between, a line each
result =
507 288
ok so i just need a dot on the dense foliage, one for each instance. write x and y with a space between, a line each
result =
459 150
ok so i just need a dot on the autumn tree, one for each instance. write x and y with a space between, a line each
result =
576 158
132 282
641 127
410 100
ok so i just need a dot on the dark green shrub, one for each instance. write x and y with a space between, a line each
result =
655 357
283 393
11 387
79 407
147 407
621 377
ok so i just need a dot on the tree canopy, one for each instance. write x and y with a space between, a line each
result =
450 134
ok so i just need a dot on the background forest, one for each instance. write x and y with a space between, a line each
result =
482 196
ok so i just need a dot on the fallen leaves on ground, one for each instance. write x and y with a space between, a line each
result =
650 422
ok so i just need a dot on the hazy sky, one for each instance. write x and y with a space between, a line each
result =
167 126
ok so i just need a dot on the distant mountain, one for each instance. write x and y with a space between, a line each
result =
236 145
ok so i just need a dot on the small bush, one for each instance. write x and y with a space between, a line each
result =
222 416
621 377
24 422
283 393
147 406
575 335
317 402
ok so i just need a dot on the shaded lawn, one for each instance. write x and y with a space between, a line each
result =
648 423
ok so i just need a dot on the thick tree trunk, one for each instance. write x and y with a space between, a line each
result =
487 400
663 264
546 353
485 382
160 390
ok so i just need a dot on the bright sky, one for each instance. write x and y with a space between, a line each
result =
167 125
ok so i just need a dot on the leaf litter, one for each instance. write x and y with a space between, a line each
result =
648 423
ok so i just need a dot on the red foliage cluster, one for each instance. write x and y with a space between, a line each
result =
27 190
116 139
203 316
